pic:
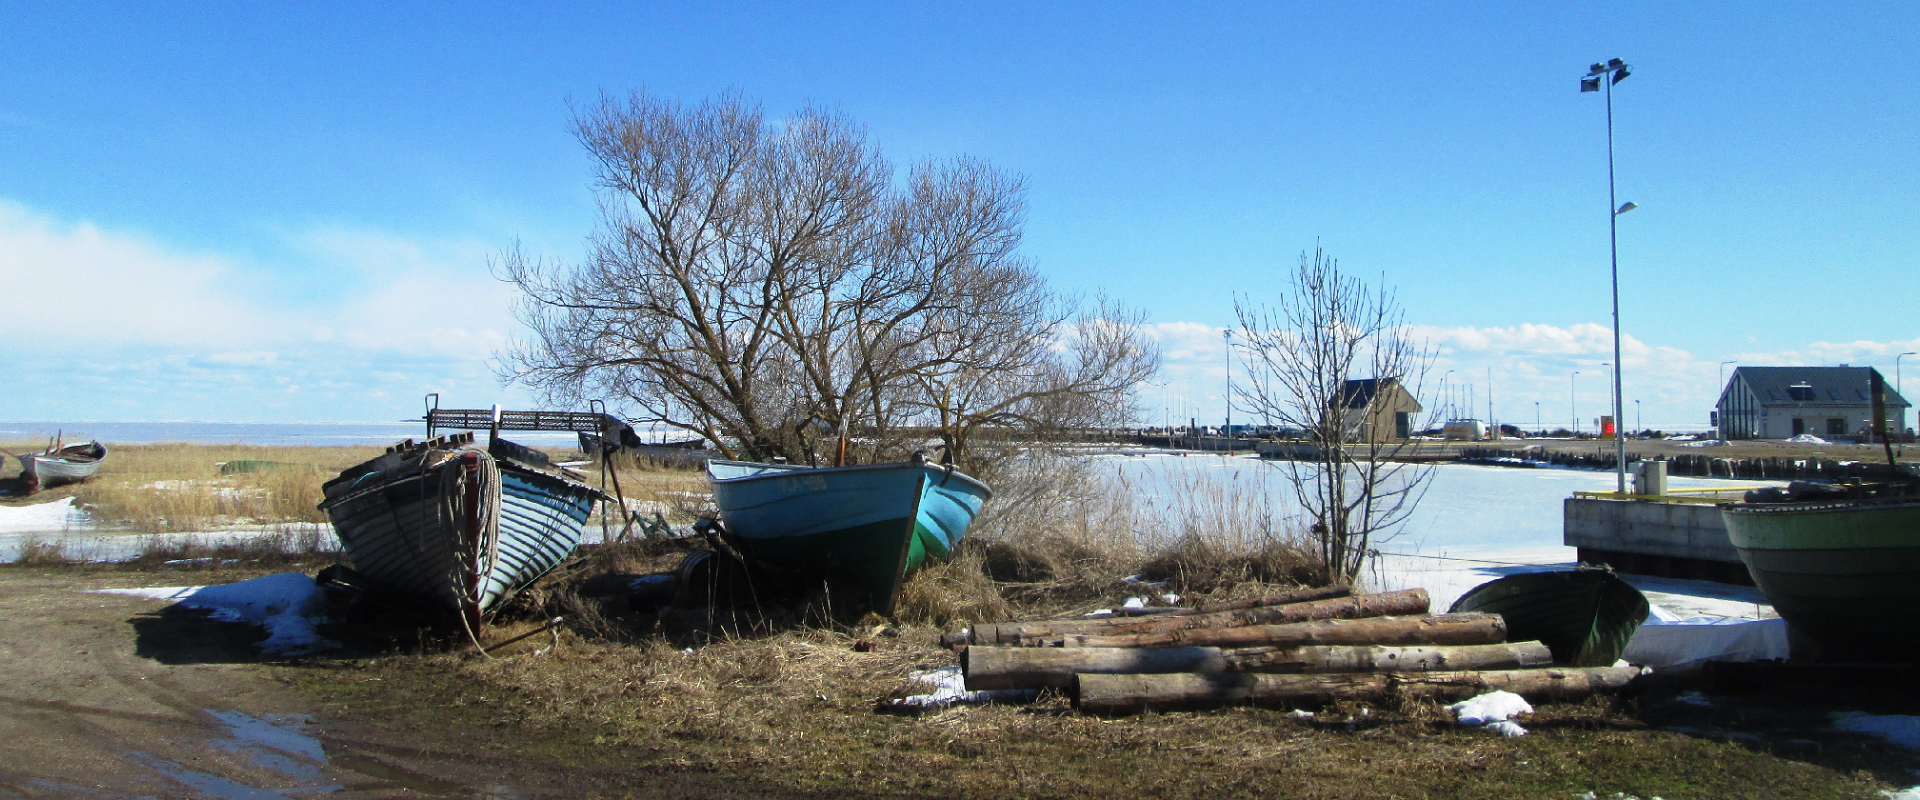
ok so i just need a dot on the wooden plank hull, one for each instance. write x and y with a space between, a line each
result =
405 532
869 525
1585 616
1845 576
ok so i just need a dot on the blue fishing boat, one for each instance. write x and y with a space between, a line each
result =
461 525
869 525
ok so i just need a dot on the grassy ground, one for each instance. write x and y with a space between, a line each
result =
794 699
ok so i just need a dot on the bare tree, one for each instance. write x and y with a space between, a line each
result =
769 288
1340 366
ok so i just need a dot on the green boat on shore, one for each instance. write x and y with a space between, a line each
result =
1585 616
1845 574
868 525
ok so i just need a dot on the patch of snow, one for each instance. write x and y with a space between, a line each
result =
1705 443
1899 729
1170 598
1098 613
287 605
950 687
58 515
1669 640
1909 793
1298 714
1135 602
1807 438
1493 710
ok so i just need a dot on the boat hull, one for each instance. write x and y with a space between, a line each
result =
868 525
69 464
1845 576
399 532
1584 616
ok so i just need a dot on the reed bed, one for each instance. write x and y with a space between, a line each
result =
164 488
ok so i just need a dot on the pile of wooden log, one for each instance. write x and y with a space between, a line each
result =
1308 646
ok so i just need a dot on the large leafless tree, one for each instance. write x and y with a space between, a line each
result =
770 287
1328 355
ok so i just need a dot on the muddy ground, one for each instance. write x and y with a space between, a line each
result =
117 696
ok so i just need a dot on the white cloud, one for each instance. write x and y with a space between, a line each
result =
104 321
1522 365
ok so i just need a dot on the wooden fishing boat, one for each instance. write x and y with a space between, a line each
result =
1584 616
869 525
1845 574
461 525
58 465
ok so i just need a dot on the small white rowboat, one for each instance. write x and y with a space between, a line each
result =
75 462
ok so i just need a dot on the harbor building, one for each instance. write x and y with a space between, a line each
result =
1783 402
1377 409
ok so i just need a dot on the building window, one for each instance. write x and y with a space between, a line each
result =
1802 392
1799 426
1836 427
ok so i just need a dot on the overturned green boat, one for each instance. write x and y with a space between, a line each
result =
1585 616
868 525
1845 574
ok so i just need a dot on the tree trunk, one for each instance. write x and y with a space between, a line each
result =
1126 694
1038 667
1034 634
1445 629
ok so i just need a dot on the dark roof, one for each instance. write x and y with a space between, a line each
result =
1829 385
1358 393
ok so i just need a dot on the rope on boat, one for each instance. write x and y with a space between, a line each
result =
474 559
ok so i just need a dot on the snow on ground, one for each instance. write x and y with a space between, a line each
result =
58 515
950 687
287 605
1493 710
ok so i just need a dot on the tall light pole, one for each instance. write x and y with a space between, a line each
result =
1896 374
1536 417
1610 73
1447 404
1228 336
1573 410
1638 423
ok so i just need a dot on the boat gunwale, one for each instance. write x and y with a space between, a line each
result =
1821 506
782 470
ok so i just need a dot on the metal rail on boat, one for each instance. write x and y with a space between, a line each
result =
1709 496
483 419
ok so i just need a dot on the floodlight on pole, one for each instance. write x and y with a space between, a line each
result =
1615 71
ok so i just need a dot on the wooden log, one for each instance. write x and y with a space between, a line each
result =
1039 633
1300 595
1129 694
1040 667
1444 629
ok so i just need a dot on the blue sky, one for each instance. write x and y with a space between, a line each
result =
284 212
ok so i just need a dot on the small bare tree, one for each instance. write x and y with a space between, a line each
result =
769 288
1340 367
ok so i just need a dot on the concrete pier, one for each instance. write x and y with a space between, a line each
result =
1653 536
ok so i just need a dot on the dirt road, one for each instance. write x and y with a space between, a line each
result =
108 696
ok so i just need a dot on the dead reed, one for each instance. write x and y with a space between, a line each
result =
180 487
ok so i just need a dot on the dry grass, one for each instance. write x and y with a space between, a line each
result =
178 487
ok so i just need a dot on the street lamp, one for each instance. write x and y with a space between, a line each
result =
1638 423
1896 374
1610 73
1573 410
1228 336
1536 417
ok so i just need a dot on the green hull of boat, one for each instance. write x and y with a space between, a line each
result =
1845 576
1584 616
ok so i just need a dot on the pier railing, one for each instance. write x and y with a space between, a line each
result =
1703 497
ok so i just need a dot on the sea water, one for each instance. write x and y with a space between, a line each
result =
275 434
1472 523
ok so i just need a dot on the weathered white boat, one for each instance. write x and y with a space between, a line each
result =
462 525
69 464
